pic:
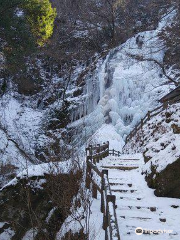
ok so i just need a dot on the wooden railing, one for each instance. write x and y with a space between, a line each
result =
94 154
114 153
148 116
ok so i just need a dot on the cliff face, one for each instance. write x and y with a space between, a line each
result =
166 183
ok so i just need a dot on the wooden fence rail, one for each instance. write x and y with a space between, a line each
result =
108 201
148 116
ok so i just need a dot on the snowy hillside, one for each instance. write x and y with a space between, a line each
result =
159 141
19 128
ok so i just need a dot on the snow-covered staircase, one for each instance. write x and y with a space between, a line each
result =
137 206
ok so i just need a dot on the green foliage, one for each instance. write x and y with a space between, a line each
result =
39 14
41 17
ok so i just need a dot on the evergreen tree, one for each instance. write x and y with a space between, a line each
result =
40 16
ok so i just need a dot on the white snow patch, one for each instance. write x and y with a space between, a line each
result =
7 234
30 235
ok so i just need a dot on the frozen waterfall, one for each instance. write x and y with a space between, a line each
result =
130 84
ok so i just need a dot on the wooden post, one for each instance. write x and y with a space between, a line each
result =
104 172
106 234
105 219
108 148
90 150
165 105
101 151
87 149
105 216
102 194
94 160
88 177
111 198
98 151
142 123
94 191
113 152
149 115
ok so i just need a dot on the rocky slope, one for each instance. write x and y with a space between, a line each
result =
30 204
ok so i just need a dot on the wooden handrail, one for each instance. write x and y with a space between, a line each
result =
94 168
108 200
147 117
114 153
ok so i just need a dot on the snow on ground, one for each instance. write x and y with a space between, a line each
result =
7 234
160 139
20 125
41 170
10 154
30 235
21 121
108 133
96 231
75 222
137 206
19 130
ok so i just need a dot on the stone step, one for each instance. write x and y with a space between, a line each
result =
130 195
121 159
137 218
121 184
141 219
124 190
152 209
118 164
139 213
129 198
120 168
118 180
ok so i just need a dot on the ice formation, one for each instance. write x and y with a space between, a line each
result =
130 82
